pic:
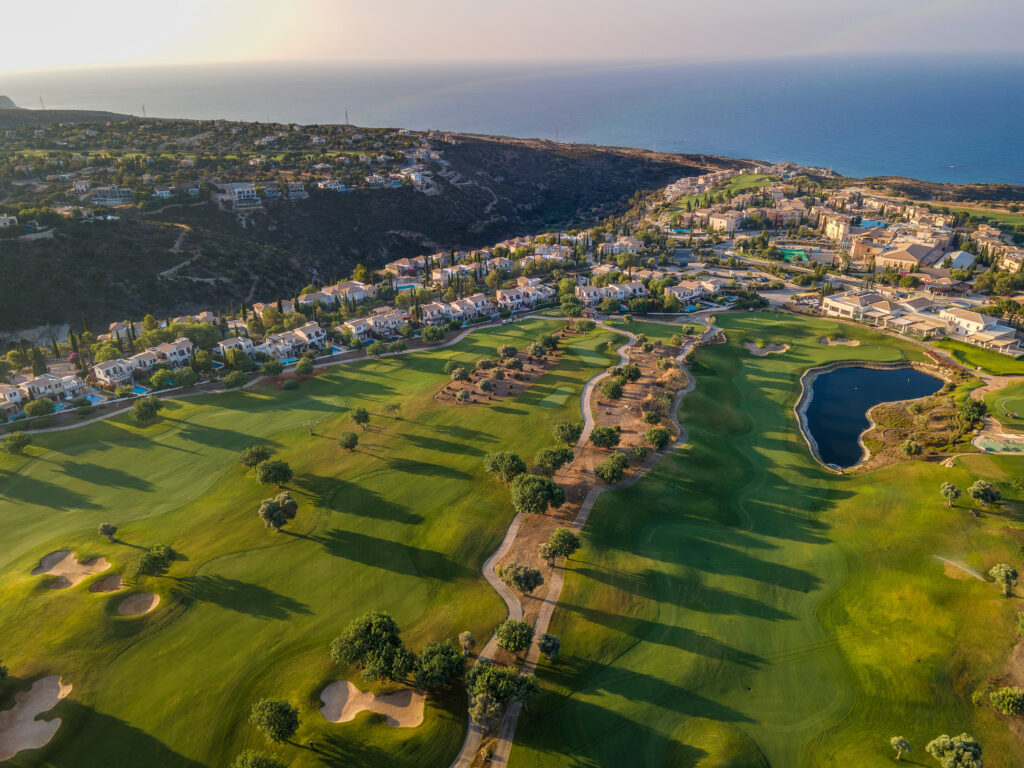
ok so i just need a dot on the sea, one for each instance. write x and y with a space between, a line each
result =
946 118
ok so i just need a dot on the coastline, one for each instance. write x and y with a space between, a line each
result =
807 395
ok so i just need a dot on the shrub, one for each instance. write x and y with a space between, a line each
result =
911 447
271 368
611 388
145 409
156 560
605 437
235 379
549 645
639 452
657 437
85 410
1009 701
651 418
304 367
290 385
432 334
567 432
15 442
42 407
348 440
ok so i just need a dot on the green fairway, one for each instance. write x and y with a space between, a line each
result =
659 333
1006 405
401 524
986 360
742 606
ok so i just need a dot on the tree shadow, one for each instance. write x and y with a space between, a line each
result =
100 475
392 556
350 498
26 489
239 596
444 446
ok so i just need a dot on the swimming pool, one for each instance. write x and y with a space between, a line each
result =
217 366
138 389
335 350
868 223
289 360
59 407
95 399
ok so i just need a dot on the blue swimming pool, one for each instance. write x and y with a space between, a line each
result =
217 366
95 399
692 307
59 407
336 351
868 223
289 360
138 389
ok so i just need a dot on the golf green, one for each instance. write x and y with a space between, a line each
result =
742 606
402 523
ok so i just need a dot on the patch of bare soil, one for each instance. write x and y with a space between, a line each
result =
508 378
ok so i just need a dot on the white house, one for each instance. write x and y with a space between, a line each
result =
113 372
10 399
175 353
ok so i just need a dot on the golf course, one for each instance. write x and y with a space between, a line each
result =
743 606
401 524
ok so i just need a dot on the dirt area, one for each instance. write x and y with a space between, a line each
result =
111 583
767 349
343 701
65 566
19 727
138 604
840 341
577 478
502 376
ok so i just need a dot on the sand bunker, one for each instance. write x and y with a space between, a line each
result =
343 701
19 728
138 604
111 583
69 571
842 341
767 349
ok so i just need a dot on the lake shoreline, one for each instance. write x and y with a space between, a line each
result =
807 380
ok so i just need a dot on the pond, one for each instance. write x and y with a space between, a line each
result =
837 413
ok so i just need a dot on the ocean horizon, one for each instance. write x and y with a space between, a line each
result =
937 120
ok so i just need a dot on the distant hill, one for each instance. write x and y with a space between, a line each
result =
12 116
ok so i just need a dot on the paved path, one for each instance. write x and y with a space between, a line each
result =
507 728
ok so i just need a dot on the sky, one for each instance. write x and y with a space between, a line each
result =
146 32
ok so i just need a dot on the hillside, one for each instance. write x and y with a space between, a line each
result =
490 189
12 116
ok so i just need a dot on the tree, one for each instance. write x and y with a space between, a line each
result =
145 409
376 349
155 560
657 437
957 752
605 437
484 709
533 494
162 379
460 374
950 493
304 367
108 530
1009 701
505 464
348 441
567 432
373 641
984 492
276 512
550 460
273 472
585 326
521 577
911 447
42 407
438 664
499 685
564 542
514 636
235 379
611 387
611 469
254 454
15 442
274 718
547 552
506 351
360 417
901 745
432 334
1005 576
971 410
467 641
272 368
549 645
252 759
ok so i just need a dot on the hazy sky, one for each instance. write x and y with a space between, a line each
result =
60 34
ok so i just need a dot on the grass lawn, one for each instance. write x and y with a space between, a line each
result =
994 363
401 524
742 606
657 332
1002 402
744 181
994 215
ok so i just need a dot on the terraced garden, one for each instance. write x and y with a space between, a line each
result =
401 524
743 606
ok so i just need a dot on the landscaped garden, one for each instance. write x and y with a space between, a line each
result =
986 360
742 605
401 522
